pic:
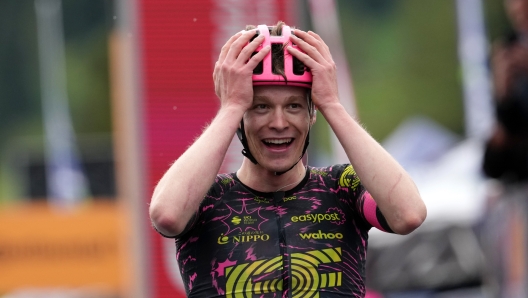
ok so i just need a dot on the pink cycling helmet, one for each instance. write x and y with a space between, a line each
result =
295 73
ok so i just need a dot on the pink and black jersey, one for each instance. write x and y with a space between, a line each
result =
310 241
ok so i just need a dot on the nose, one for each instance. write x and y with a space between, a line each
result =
279 120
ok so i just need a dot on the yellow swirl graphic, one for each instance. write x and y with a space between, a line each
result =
349 178
306 280
239 278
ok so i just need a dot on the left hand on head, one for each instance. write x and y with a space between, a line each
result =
318 59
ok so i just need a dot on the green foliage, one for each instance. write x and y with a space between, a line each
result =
86 60
88 83
497 21
19 85
404 62
86 28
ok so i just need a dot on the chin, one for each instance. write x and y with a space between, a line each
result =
278 166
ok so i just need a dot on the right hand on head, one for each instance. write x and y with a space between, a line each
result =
234 69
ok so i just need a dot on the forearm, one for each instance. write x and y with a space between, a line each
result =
179 192
389 184
182 188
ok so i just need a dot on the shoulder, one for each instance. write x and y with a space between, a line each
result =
340 180
221 185
343 174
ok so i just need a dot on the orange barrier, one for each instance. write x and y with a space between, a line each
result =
43 247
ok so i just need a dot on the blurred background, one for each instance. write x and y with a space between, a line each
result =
98 97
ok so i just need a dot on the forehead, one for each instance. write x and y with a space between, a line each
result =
279 93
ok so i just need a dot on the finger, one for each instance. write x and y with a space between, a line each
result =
320 39
310 37
248 50
215 70
255 60
316 36
227 45
310 50
313 40
307 60
238 44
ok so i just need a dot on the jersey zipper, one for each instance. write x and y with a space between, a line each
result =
286 273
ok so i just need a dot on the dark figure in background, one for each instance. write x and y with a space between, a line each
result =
506 154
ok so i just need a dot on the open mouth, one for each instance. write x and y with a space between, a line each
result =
277 143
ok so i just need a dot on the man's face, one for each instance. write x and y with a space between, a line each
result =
276 125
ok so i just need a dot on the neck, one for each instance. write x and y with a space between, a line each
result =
260 179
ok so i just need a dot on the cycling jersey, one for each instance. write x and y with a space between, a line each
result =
309 241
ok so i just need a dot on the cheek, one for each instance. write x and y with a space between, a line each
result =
303 124
251 130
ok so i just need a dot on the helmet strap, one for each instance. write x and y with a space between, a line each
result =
241 133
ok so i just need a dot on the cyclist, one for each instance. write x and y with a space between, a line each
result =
278 228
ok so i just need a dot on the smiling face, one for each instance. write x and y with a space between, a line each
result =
276 126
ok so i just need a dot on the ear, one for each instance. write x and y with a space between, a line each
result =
314 117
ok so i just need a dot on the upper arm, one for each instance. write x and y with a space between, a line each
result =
360 200
173 226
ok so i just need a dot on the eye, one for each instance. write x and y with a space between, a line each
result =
260 107
295 106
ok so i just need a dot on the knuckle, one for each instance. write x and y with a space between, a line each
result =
225 67
239 71
330 66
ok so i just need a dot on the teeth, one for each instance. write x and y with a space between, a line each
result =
278 141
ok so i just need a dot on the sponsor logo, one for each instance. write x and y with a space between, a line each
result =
242 220
243 238
316 217
226 181
262 200
321 235
246 220
319 172
349 178
235 220
250 220
289 198
223 239
264 276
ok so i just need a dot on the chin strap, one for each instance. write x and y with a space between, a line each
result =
241 133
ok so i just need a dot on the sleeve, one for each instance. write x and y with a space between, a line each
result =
371 213
361 200
213 195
